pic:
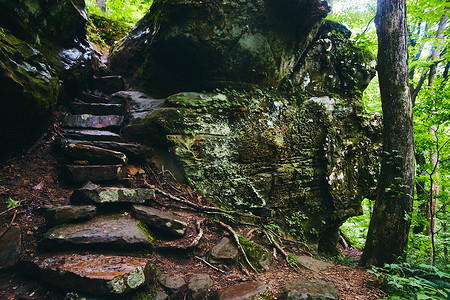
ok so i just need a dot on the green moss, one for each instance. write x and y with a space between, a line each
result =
144 228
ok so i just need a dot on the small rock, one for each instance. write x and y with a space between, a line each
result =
10 246
198 286
224 252
312 263
114 231
159 219
92 193
174 285
304 289
93 274
55 215
252 290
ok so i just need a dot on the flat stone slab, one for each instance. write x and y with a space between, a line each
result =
93 273
137 101
164 221
91 135
92 193
56 215
198 286
224 252
96 173
175 286
312 263
245 291
113 231
98 109
93 98
135 151
10 246
108 84
304 289
93 154
92 121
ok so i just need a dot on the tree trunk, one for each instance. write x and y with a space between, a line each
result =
387 238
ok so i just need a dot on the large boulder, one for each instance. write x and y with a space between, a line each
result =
195 45
308 161
43 52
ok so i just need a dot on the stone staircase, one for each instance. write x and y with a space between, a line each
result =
99 244
75 251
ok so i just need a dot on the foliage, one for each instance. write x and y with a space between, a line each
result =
355 228
11 203
408 281
121 10
105 28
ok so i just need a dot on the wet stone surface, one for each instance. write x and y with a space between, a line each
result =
93 274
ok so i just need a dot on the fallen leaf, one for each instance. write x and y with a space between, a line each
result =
38 186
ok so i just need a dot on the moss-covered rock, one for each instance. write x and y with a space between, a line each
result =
44 51
307 162
29 88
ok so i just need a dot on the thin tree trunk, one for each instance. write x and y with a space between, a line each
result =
434 156
387 238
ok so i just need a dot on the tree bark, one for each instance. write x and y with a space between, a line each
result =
389 227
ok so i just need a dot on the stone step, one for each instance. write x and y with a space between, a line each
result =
105 232
161 220
92 193
247 290
98 109
108 84
94 274
96 173
94 155
91 135
304 289
57 215
132 151
93 98
112 122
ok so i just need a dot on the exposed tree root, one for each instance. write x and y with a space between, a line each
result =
236 240
210 265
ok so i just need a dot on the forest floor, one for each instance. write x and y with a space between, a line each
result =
36 178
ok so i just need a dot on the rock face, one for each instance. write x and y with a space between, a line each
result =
192 45
29 88
306 160
93 273
43 47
